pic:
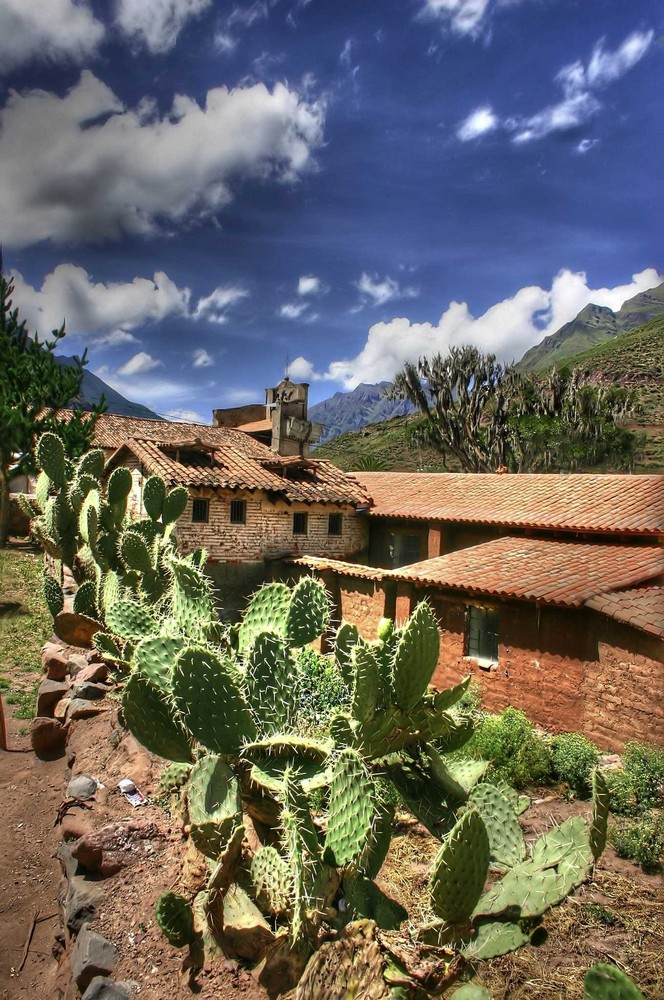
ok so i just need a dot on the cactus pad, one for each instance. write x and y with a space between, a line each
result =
600 816
460 869
119 486
351 809
505 835
175 918
92 463
270 678
174 776
367 691
51 458
215 807
308 612
346 639
272 881
606 982
416 657
154 494
266 612
209 696
174 504
493 939
155 658
130 620
149 717
135 553
368 902
53 595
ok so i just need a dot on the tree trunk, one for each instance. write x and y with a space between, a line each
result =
4 508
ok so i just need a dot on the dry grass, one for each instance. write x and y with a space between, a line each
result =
618 918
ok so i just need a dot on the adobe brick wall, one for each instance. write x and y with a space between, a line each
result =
569 670
268 531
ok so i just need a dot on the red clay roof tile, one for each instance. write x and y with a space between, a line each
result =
641 607
622 504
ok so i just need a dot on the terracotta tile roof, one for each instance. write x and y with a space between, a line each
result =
641 607
255 425
232 467
577 502
340 567
556 572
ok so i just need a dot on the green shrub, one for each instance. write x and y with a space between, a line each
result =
642 841
573 758
645 766
322 692
519 755
471 699
623 793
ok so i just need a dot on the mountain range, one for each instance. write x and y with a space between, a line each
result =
367 405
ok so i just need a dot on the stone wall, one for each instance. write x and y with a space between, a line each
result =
568 669
268 530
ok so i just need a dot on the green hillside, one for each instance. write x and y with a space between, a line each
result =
594 326
633 360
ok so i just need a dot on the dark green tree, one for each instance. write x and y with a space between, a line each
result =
489 416
32 387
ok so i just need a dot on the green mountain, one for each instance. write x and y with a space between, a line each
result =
593 326
632 360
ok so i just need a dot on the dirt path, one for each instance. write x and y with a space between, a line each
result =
30 792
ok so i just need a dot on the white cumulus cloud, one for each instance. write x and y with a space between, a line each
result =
201 358
83 166
59 30
581 86
94 311
379 291
479 122
139 364
292 310
309 284
507 329
463 17
157 23
214 307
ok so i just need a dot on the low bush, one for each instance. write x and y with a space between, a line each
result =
573 758
641 841
519 755
645 766
322 692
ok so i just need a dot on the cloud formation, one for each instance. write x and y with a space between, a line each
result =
83 167
580 84
463 17
507 329
157 23
139 364
201 358
214 307
309 284
57 31
377 291
99 313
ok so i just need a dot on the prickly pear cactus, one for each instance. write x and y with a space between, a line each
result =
416 657
460 869
175 918
215 806
53 595
606 982
209 696
600 816
272 881
351 809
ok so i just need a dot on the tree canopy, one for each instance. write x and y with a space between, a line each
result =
489 416
32 387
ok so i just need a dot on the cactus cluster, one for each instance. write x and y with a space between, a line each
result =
222 706
82 522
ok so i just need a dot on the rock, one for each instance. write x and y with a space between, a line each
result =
103 988
94 672
109 849
47 736
61 709
81 902
54 662
81 787
49 694
76 662
89 691
74 826
79 709
67 860
94 656
75 629
92 956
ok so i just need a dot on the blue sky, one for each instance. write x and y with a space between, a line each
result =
204 190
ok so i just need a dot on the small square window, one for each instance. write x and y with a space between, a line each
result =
238 511
482 635
334 524
300 523
200 510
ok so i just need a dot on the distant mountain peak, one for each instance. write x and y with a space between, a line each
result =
93 388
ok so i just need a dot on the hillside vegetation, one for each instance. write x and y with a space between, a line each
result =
632 360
